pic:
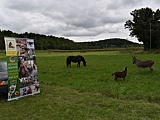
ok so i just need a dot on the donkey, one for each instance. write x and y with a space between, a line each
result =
120 74
143 64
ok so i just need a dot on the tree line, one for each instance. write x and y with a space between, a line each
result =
43 42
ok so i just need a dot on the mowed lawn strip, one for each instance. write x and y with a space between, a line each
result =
63 103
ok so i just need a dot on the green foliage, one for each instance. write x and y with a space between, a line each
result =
111 43
145 26
43 42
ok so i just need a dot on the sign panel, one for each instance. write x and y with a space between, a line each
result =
10 45
13 85
22 67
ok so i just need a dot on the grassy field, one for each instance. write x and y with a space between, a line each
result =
89 93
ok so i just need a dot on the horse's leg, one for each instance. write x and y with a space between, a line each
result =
78 65
69 64
151 69
115 78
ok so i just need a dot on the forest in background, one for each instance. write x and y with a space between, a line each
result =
44 42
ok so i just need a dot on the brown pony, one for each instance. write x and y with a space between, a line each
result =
120 74
143 64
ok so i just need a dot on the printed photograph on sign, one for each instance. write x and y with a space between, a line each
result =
11 92
30 43
27 68
28 76
10 45
31 48
21 46
12 59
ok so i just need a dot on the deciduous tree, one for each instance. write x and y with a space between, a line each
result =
145 26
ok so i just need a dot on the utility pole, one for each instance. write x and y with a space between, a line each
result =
150 36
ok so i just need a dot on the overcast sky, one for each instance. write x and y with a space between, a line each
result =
77 20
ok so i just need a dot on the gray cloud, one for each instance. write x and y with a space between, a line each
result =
80 20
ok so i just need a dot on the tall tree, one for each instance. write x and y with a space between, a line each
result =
145 26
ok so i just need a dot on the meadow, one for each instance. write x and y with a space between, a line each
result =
89 93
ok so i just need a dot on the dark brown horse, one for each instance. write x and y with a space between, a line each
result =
143 64
120 74
75 59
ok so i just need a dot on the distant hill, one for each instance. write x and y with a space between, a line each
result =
116 42
107 43
43 42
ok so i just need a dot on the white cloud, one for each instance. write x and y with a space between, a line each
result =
78 20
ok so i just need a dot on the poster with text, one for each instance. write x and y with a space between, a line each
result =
22 68
13 82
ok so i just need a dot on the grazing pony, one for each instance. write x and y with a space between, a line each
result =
143 64
120 74
75 59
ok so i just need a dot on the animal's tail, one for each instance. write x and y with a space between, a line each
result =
113 74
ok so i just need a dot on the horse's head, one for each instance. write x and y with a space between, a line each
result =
84 63
125 69
83 60
134 59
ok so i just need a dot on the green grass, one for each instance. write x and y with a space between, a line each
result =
90 92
